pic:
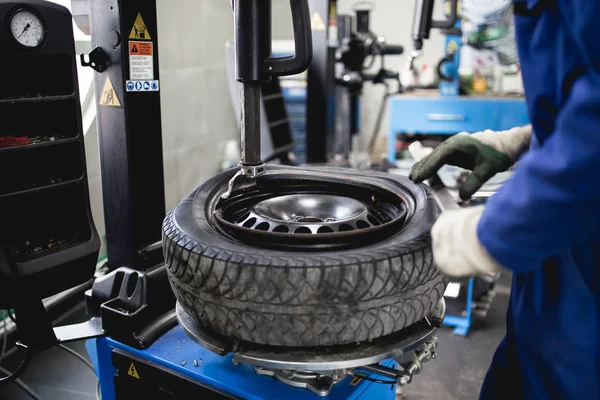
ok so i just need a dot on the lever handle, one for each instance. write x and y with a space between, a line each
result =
447 59
299 62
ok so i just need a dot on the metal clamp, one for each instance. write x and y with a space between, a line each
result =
252 171
411 363
423 355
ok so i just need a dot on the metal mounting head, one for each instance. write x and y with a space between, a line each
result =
249 171
96 59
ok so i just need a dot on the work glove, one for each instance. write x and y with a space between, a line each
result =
457 250
485 153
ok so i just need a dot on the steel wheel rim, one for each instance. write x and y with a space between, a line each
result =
354 215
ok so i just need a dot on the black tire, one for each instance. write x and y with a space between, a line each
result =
296 298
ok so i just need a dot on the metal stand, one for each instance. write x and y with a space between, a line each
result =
463 324
129 127
320 92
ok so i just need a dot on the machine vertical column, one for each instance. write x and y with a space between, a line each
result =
253 47
320 99
129 126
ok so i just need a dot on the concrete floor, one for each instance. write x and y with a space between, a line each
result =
457 373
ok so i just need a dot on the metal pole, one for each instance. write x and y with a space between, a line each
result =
250 132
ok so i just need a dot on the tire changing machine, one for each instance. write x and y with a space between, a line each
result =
149 347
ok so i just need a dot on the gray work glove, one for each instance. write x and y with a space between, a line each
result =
457 250
485 153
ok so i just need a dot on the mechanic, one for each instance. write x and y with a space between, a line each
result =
544 224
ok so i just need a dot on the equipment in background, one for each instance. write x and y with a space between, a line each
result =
358 51
48 241
422 24
345 52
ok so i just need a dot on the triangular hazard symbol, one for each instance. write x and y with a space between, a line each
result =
133 372
134 49
108 96
139 30
317 23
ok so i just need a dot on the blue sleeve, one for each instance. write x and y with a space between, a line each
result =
553 201
581 19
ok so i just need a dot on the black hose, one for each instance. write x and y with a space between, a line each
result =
367 378
24 364
448 58
79 356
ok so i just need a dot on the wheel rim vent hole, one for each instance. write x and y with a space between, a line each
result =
325 229
281 229
263 226
242 218
249 223
360 224
374 221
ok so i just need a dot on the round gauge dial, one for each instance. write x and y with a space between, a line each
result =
27 28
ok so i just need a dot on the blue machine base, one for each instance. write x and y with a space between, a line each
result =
176 352
462 325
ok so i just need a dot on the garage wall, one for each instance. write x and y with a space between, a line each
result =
198 117
197 114
392 19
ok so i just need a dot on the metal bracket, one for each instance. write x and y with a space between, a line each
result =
248 171
96 59
252 171
85 330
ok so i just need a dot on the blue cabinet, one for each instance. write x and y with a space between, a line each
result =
451 115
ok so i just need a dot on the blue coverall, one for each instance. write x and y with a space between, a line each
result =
544 224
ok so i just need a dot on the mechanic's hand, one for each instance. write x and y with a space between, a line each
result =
457 250
485 153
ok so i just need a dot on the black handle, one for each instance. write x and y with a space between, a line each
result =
448 58
299 62
451 20
392 49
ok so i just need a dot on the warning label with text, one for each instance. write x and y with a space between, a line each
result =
141 61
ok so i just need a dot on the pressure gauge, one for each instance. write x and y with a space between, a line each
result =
27 28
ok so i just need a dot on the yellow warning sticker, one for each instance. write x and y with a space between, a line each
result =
133 372
109 96
452 46
353 382
317 23
139 30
